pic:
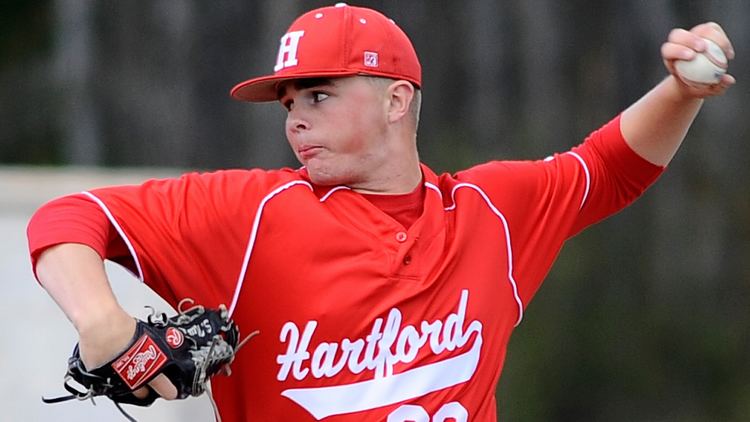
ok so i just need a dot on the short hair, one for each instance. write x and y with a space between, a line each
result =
416 101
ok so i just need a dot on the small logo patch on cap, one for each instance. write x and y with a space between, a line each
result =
371 59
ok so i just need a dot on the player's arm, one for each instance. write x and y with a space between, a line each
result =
73 275
655 125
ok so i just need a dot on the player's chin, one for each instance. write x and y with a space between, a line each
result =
323 179
323 176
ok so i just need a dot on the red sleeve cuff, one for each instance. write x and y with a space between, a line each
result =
626 157
635 171
69 219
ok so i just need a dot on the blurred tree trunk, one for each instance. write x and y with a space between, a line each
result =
74 64
143 79
542 100
488 53
268 145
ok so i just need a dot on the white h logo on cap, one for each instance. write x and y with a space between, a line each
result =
288 50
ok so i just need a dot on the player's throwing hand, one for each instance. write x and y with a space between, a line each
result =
685 45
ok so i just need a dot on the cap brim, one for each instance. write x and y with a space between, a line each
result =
266 88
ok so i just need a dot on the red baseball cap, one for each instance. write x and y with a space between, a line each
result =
337 41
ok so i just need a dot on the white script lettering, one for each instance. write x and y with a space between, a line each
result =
139 362
388 344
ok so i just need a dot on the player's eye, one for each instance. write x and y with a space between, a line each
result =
287 104
318 96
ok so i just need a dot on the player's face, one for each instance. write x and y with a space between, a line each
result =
336 128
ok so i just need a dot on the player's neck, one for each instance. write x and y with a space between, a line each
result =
394 184
399 176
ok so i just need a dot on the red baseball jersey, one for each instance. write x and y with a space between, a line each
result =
361 319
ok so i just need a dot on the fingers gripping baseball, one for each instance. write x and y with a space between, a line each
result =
692 58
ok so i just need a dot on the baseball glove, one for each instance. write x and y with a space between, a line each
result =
188 348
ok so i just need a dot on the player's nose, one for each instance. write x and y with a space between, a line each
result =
296 123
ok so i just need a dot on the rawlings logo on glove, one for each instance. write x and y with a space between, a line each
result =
142 361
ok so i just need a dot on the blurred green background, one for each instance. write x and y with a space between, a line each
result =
644 317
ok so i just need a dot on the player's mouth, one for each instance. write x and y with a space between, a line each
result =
307 152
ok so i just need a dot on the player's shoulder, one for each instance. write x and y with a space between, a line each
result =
496 171
238 190
255 178
498 179
241 186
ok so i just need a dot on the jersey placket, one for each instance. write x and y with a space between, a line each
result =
420 248
405 264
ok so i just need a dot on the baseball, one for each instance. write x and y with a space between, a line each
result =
705 68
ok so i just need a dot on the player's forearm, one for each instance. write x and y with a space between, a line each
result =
74 276
656 125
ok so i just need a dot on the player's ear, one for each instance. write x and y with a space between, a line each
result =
400 94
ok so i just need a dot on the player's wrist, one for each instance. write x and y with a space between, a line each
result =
103 316
678 92
102 338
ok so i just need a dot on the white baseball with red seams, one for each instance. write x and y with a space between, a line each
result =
706 67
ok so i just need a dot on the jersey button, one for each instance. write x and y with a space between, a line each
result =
407 259
401 237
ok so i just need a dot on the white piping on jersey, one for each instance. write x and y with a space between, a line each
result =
500 215
588 177
330 192
433 187
119 230
254 234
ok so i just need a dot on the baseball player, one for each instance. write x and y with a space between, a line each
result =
381 290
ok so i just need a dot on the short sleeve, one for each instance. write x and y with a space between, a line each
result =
546 202
187 236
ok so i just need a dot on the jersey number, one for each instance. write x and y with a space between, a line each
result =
411 413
